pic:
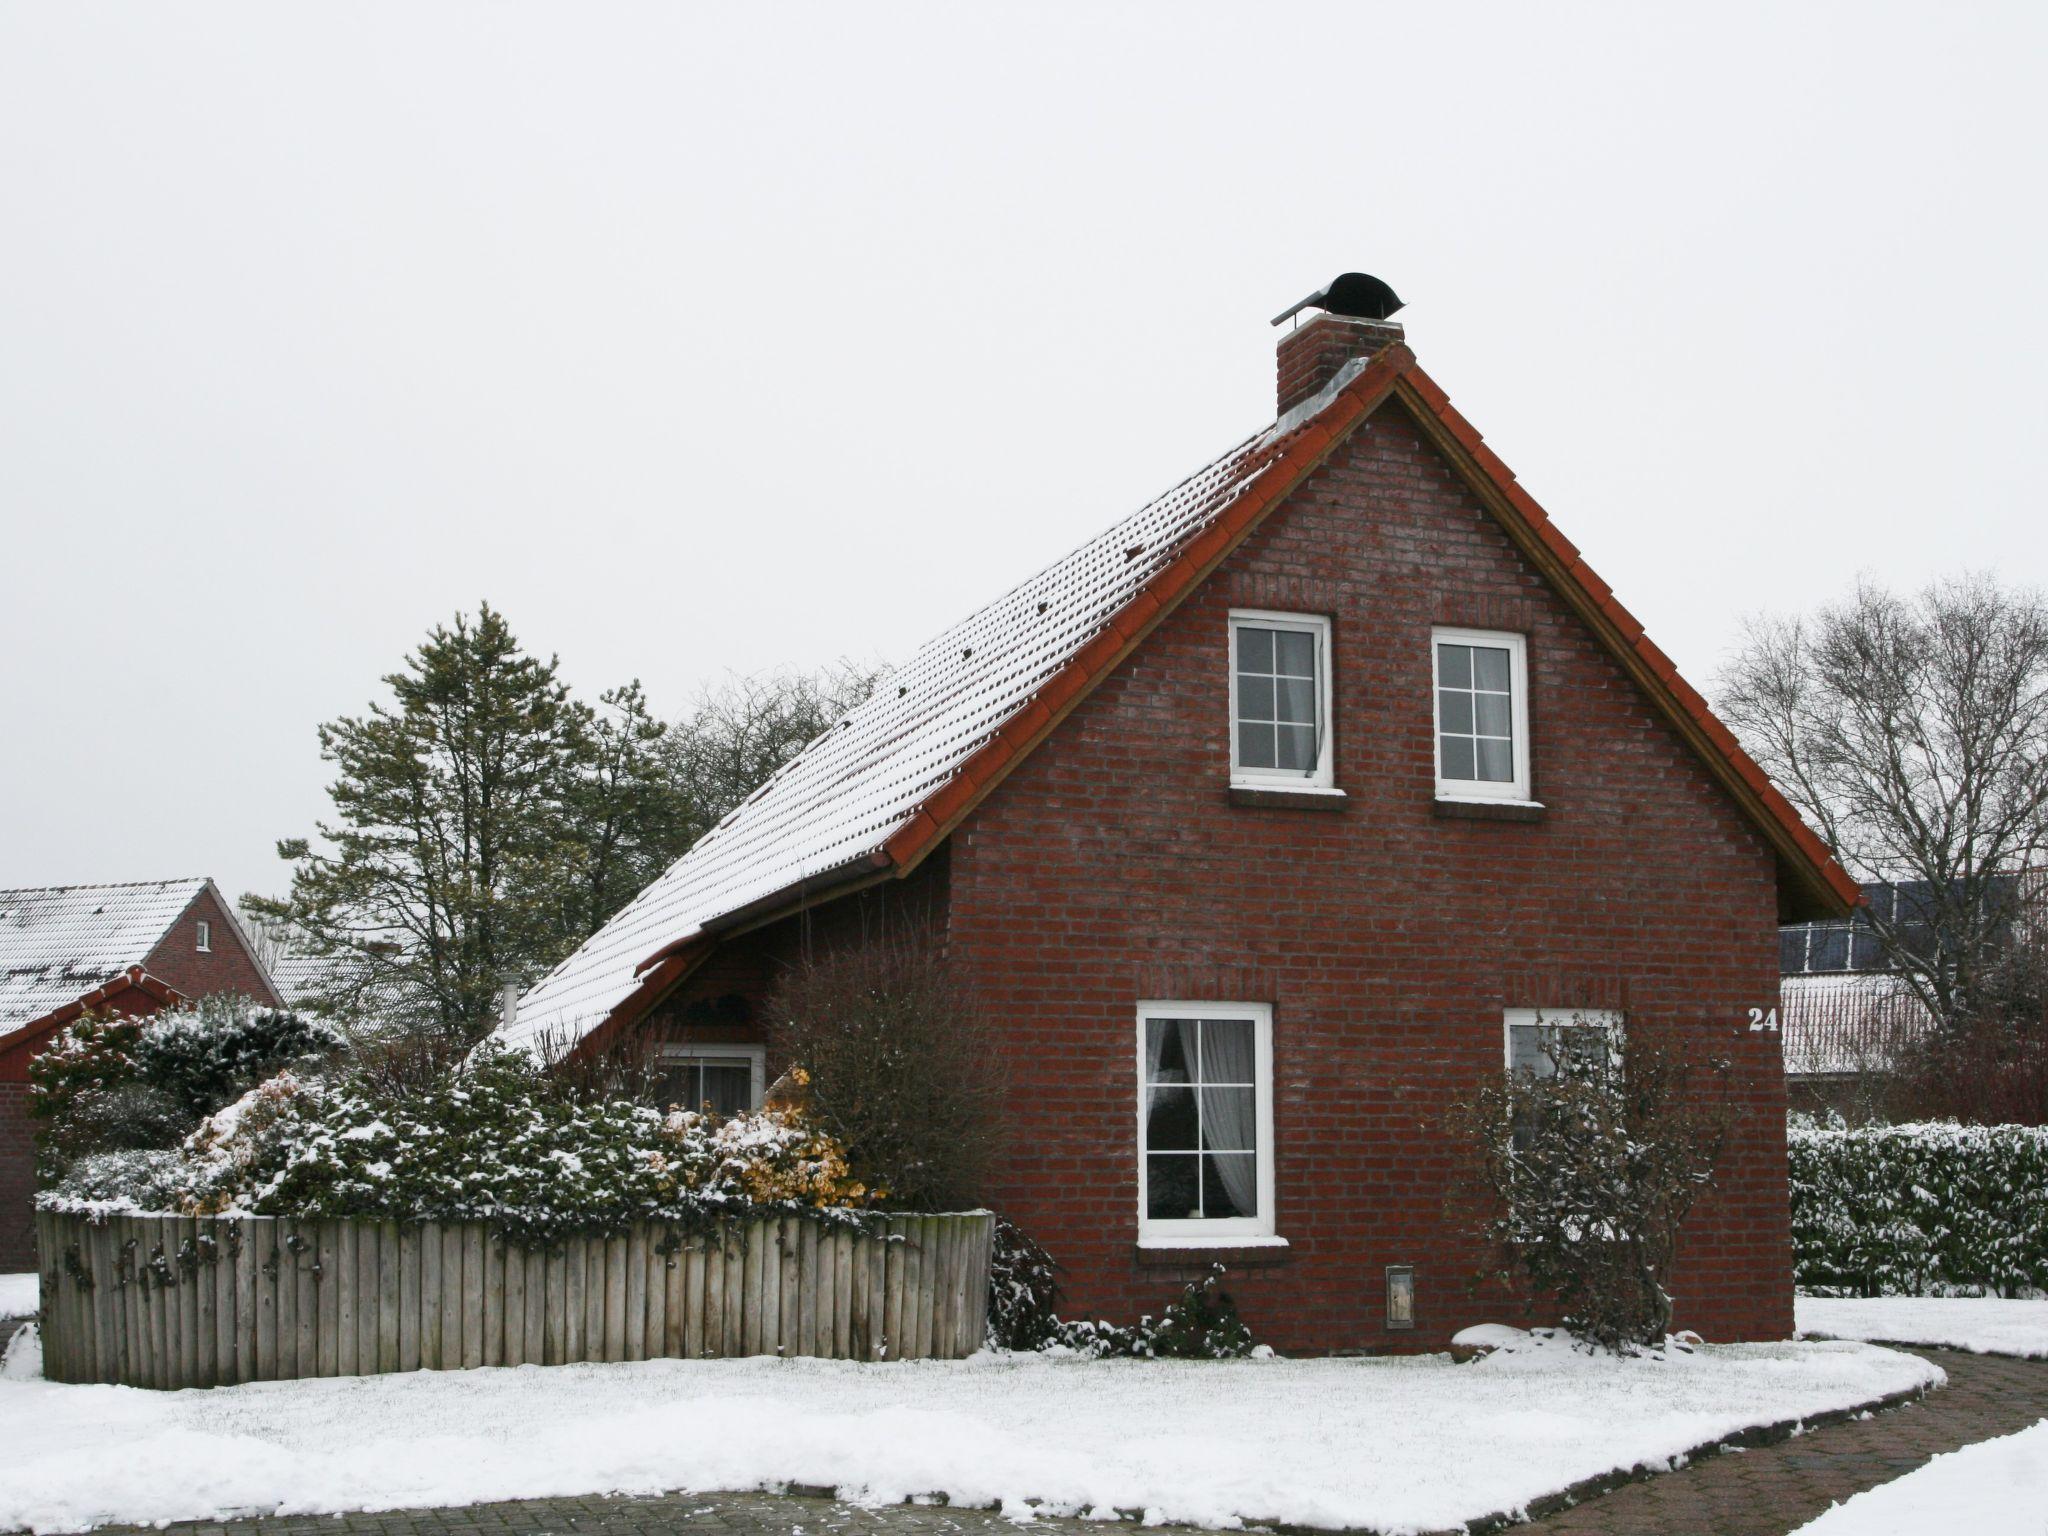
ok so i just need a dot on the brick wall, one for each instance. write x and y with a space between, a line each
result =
1112 867
17 1180
178 962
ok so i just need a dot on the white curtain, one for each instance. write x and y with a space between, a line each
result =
1229 1115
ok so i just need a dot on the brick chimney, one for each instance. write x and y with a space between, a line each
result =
1311 355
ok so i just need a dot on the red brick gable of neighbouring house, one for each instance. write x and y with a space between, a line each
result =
124 949
1084 850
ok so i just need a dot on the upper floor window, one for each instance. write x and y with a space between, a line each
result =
205 937
1205 1123
1280 699
1482 715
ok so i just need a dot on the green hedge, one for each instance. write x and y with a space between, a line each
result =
1919 1210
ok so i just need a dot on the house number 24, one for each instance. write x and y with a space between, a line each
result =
1763 1020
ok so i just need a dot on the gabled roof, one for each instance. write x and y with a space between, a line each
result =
879 790
58 942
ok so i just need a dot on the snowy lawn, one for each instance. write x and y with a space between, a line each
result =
1395 1445
1993 1488
18 1295
1984 1325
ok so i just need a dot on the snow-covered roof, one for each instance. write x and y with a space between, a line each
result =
59 942
886 782
1846 1021
842 797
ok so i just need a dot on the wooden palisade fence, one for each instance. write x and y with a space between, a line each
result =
168 1301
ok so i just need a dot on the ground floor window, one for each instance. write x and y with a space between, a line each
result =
1205 1122
1538 1039
726 1079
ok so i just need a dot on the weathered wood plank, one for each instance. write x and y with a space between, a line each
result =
454 1252
674 1276
341 1280
304 1260
736 1291
410 1244
494 1299
615 1271
512 1298
713 1320
474 1280
394 1301
263 1252
369 1297
842 1292
596 1288
328 1287
789 1244
693 1299
805 1341
227 1325
200 1303
633 1343
576 1270
878 1295
656 1295
543 1276
947 1325
429 1307
242 1236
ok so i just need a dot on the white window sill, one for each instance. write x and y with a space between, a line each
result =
1187 1244
1502 809
1292 786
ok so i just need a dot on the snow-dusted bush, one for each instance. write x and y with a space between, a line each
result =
1927 1209
499 1141
1023 1290
1201 1323
130 1084
1581 1179
141 1179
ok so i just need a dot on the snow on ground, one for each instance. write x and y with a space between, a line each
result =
1993 1488
18 1295
1985 1325
1394 1444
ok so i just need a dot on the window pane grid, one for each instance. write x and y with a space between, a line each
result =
1475 713
1279 698
1201 1142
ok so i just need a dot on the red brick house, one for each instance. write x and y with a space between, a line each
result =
1264 823
126 949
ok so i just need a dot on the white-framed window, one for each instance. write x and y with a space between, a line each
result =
727 1079
1280 723
1481 681
1538 1038
205 937
1205 1123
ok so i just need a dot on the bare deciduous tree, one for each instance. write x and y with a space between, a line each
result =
904 1068
1912 731
739 732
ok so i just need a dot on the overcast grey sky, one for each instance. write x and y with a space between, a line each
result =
709 338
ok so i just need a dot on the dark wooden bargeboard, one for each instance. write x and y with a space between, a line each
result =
173 1301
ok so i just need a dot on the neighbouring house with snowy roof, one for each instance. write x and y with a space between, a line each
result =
129 949
1264 824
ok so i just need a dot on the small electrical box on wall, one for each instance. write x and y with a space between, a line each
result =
1400 1296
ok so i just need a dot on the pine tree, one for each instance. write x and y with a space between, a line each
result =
456 809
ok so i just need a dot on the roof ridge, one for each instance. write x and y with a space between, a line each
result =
103 885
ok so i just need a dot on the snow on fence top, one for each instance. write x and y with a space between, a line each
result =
843 796
59 942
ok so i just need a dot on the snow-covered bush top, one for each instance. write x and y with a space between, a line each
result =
499 1141
1924 1209
114 1084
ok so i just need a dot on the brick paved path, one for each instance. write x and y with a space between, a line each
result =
1765 1491
1769 1490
